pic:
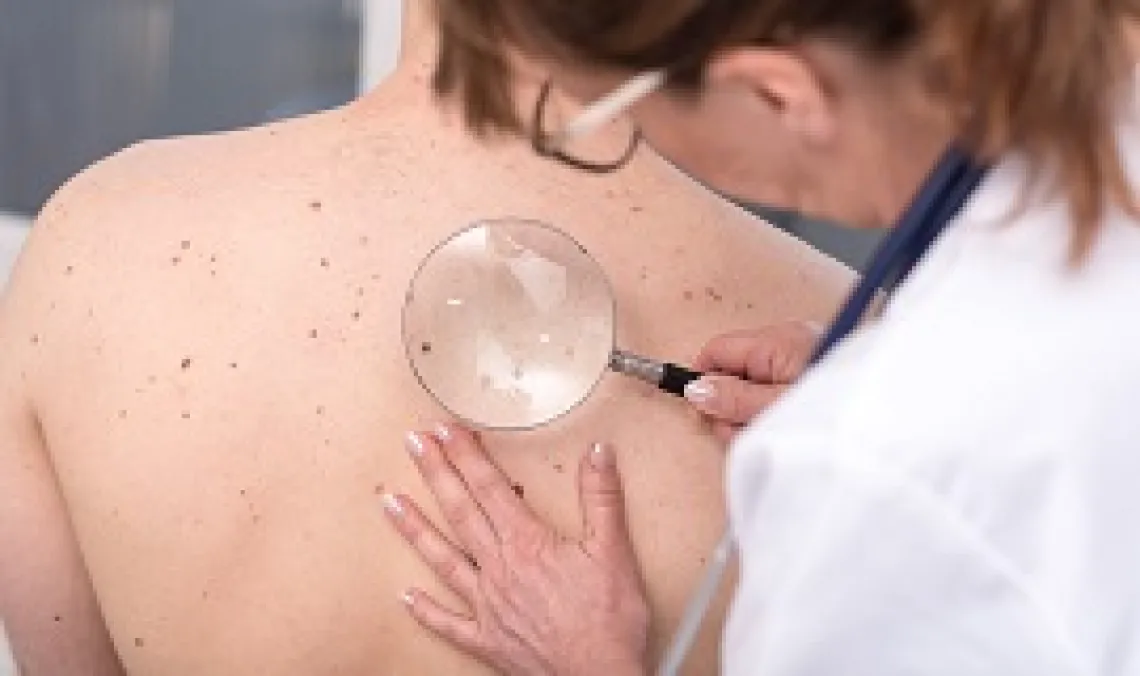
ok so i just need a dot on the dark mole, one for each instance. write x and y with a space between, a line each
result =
233 364
175 261
751 306
186 363
139 643
320 410
185 416
637 209
57 618
714 294
688 295
378 490
518 489
213 259
70 269
123 415
185 245
559 468
313 333
425 348
36 339
356 316
325 263
316 205
242 492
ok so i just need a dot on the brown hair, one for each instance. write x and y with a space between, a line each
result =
1043 77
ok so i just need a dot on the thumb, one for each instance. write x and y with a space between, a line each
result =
729 399
603 502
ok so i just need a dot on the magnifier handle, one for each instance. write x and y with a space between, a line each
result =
675 378
667 377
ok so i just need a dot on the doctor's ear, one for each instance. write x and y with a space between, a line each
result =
786 83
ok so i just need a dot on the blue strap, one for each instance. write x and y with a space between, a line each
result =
942 197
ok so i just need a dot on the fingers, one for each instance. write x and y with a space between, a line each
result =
603 503
507 512
727 399
462 513
447 561
450 626
775 354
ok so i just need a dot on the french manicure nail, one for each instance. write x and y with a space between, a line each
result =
392 504
443 433
601 457
700 392
415 444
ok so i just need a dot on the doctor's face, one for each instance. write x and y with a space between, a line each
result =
810 132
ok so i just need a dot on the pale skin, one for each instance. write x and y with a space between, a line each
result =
519 614
203 394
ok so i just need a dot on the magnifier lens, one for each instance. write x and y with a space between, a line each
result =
509 324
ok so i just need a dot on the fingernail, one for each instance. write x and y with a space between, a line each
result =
408 599
601 457
443 433
700 392
414 443
392 504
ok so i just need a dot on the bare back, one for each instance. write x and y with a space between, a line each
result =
207 333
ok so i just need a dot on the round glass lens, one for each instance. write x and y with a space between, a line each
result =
509 324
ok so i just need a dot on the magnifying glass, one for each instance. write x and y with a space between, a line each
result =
510 324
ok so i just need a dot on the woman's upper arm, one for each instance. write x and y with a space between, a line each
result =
47 604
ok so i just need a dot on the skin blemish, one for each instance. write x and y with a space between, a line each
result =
35 339
152 380
242 492
69 269
325 263
518 489
185 415
316 205
320 410
233 364
185 245
636 209
426 348
360 292
187 363
713 294
356 316
378 489
751 306
559 468
139 643
313 334
205 594
213 259
364 240
375 277
256 518
123 414
644 274
689 295
57 618
176 260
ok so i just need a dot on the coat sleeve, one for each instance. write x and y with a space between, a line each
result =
853 571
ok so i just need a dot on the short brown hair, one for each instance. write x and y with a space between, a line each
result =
1041 77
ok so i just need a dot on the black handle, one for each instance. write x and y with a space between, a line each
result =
676 378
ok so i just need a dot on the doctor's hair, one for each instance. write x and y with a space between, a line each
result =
1047 79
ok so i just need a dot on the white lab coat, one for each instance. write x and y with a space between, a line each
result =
956 490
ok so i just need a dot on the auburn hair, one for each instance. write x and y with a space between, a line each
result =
1046 78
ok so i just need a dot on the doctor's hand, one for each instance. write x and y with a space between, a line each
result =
747 372
535 602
